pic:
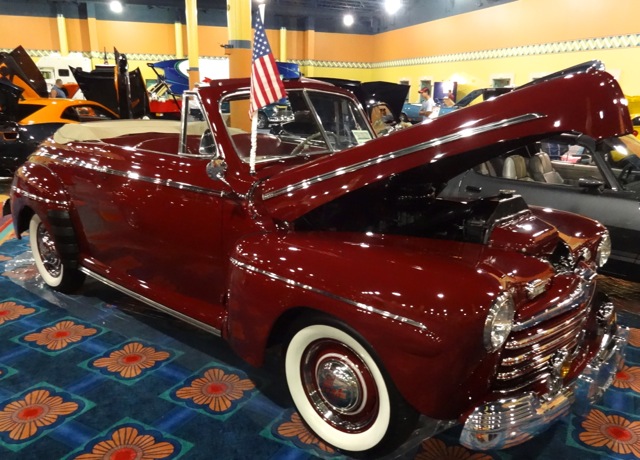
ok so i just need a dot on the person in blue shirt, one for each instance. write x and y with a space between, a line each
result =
57 90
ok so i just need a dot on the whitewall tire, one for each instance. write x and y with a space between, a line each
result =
48 261
338 388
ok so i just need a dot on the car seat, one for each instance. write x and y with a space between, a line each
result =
542 169
515 167
486 169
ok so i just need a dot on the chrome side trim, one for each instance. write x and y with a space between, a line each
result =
152 303
34 197
132 175
403 152
306 287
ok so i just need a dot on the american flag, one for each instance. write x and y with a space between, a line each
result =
266 85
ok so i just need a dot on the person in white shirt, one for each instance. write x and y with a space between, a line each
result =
427 103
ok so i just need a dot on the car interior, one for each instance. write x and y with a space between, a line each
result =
551 163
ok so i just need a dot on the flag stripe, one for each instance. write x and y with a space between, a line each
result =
266 85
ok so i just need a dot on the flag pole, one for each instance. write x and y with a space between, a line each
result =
254 142
254 118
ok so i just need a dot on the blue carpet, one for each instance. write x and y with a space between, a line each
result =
98 376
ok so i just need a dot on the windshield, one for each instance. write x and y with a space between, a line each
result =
313 123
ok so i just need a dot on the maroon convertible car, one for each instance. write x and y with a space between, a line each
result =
339 252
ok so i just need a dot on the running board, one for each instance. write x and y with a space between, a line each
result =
152 303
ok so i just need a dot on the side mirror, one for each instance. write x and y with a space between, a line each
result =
217 169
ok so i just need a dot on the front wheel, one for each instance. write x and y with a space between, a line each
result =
48 260
341 392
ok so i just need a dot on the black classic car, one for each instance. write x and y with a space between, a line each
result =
576 173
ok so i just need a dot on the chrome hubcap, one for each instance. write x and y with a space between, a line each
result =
48 253
339 386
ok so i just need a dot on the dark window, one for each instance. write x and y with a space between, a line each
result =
24 110
86 113
70 113
63 72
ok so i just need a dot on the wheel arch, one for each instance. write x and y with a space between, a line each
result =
21 220
38 190
284 324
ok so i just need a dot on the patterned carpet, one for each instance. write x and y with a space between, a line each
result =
98 376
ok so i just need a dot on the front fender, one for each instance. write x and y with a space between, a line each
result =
36 188
401 295
575 229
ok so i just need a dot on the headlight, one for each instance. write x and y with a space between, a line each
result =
604 250
499 322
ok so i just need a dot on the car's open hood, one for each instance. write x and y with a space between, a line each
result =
24 72
374 92
123 92
9 95
588 101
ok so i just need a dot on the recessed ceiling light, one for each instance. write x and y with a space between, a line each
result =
348 20
115 6
392 6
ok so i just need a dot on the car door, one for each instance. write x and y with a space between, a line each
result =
152 222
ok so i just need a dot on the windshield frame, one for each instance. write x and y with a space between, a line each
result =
324 139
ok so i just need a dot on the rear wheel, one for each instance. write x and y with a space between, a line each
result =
48 260
342 393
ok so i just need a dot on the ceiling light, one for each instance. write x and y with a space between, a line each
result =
115 6
348 20
392 6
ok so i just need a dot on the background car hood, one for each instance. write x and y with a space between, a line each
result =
589 101
374 92
10 94
114 87
24 72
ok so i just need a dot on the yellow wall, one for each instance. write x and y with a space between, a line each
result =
30 32
523 23
516 38
152 38
210 38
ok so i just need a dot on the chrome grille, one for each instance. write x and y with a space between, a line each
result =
524 360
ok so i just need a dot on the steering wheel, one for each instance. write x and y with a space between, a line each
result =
625 173
298 148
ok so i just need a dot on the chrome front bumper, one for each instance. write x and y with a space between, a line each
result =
508 422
